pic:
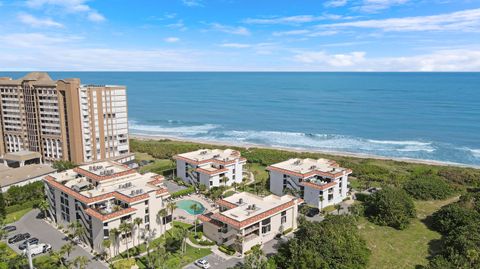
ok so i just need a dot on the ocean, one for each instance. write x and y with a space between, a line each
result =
428 116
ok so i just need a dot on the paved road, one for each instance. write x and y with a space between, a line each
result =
48 234
217 262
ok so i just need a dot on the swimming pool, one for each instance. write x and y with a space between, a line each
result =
186 205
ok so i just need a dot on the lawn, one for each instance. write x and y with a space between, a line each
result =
258 171
406 248
14 216
158 166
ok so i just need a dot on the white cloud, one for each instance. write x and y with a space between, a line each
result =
298 19
466 20
34 40
377 5
70 6
335 60
95 16
192 3
171 39
230 29
336 3
178 25
443 60
292 32
37 22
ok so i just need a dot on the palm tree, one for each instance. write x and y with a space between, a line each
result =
81 262
67 248
235 185
137 222
43 206
160 217
183 234
195 207
106 243
338 207
171 207
239 243
125 228
224 180
321 201
162 255
114 232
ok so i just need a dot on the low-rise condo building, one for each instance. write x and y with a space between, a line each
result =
103 195
210 167
319 182
245 220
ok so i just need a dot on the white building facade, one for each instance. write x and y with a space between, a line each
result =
103 195
245 220
320 183
209 167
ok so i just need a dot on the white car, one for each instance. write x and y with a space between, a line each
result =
202 264
38 249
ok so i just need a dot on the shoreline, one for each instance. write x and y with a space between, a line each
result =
326 152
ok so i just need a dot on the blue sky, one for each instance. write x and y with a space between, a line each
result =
240 35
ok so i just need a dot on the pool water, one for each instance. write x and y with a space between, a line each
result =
186 205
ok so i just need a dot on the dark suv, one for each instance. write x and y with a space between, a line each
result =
9 228
18 237
31 241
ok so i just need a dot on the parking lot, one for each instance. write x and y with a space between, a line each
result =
216 262
48 234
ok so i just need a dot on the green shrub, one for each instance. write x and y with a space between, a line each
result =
183 192
453 216
433 188
391 207
361 196
18 207
287 231
226 249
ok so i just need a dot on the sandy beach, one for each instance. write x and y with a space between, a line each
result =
333 153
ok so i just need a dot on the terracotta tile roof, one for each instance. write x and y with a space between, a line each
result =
162 191
112 215
254 219
209 220
226 204
95 177
88 200
309 174
217 171
317 186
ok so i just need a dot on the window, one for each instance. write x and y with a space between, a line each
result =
147 219
106 233
105 224
167 219
284 217
266 229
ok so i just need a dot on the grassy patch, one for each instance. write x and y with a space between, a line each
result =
182 224
158 166
407 248
178 259
258 171
14 216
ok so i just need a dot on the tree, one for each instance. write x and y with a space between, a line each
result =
256 259
195 207
67 249
239 243
61 165
235 185
453 216
391 207
321 201
3 213
161 214
114 233
171 207
183 233
43 206
224 180
338 207
126 228
106 244
137 222
333 243
81 262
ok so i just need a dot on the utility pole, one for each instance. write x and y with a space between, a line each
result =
29 256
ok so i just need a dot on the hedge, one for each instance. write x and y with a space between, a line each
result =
287 231
15 208
226 249
183 192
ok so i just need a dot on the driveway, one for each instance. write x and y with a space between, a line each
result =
217 262
172 186
47 234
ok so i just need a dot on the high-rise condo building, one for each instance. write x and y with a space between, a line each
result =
63 119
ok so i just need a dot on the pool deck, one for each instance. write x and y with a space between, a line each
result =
181 215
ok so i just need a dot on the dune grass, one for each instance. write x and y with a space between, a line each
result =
407 248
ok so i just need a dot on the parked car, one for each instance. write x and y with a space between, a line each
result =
38 249
202 263
31 241
18 237
10 228
312 212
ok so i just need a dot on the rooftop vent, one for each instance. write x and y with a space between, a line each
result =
297 162
240 201
313 167
203 152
